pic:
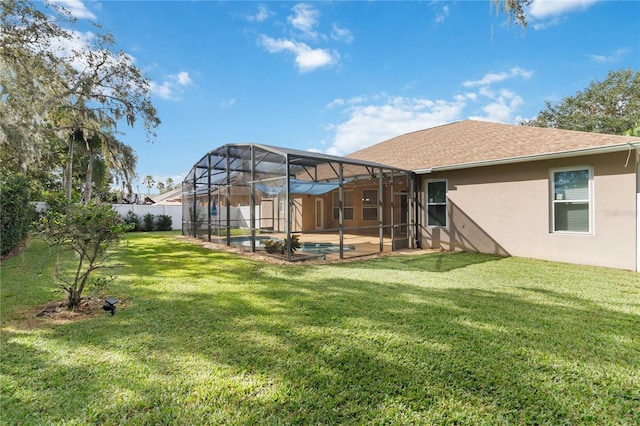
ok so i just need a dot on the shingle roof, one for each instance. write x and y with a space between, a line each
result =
468 143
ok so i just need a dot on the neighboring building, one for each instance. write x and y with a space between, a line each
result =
495 188
523 191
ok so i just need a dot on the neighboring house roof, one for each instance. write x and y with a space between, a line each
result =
173 197
477 143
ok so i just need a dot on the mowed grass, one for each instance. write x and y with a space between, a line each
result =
208 337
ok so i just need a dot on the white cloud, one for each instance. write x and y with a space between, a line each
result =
369 124
227 103
76 7
502 109
373 119
338 33
183 78
442 15
172 86
542 9
261 15
614 57
491 78
503 103
307 59
335 103
303 24
543 14
304 19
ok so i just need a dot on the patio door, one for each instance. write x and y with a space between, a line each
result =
318 215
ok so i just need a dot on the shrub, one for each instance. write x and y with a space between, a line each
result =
273 246
295 243
16 213
132 219
164 222
280 247
149 221
88 230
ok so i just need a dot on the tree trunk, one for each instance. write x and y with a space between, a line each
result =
88 185
73 299
68 172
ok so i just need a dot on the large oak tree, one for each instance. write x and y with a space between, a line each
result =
60 86
608 106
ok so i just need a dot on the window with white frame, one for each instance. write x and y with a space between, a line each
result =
370 204
571 200
437 203
348 204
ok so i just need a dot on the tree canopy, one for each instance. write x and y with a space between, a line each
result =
609 106
57 83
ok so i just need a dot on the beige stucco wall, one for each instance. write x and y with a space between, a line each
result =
505 210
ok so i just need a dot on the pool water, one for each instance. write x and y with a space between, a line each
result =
307 247
323 248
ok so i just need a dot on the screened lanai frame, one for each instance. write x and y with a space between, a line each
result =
266 190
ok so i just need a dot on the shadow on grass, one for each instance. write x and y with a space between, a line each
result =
428 262
341 351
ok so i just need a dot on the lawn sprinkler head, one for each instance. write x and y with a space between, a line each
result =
110 305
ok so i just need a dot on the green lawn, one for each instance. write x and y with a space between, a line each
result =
207 337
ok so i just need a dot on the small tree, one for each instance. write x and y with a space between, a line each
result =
87 229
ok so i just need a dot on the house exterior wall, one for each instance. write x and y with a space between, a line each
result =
506 210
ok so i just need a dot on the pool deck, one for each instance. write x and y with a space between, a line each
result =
364 244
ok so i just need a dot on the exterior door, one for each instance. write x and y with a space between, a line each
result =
266 214
318 217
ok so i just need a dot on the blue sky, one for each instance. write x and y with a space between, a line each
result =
338 76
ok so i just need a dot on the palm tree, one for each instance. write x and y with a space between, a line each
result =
169 183
161 188
149 182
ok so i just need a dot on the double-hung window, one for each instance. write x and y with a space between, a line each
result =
571 200
348 204
437 203
370 204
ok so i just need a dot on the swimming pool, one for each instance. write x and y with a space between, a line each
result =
306 247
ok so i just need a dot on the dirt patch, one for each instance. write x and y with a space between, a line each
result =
58 313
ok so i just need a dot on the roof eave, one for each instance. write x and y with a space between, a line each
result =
534 157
